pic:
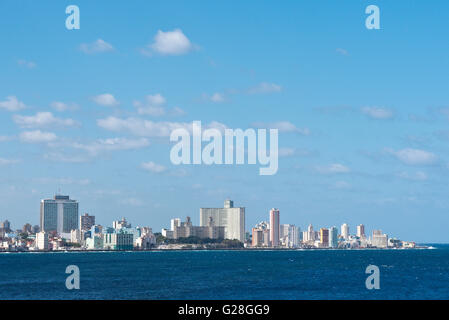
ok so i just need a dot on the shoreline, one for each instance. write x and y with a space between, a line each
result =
221 249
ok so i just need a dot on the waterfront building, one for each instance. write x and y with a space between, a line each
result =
95 243
379 239
119 240
230 217
167 233
176 222
211 231
5 226
75 236
41 242
324 237
27 228
345 231
117 225
333 237
361 231
59 214
257 237
289 235
274 227
86 222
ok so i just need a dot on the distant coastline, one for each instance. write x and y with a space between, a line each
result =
420 247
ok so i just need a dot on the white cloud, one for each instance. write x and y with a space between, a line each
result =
61 106
333 168
341 185
147 128
169 43
378 113
5 138
12 104
265 87
153 167
96 47
417 176
282 126
42 120
342 51
153 105
111 144
68 158
106 99
5 162
286 152
414 157
132 202
37 136
26 63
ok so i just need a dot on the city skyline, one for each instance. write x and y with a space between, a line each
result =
60 216
363 127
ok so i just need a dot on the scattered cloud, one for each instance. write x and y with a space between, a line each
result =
216 97
111 144
5 138
12 104
43 120
169 43
333 169
61 106
286 152
282 126
106 99
414 157
341 185
417 176
153 167
26 63
97 46
131 202
37 136
6 162
148 128
342 51
377 112
265 87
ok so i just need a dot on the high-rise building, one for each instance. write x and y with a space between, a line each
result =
119 224
345 231
274 227
289 235
59 214
333 237
6 226
187 229
41 242
176 222
86 222
361 231
379 239
27 228
257 237
230 217
324 237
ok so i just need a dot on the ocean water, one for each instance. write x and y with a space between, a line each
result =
308 274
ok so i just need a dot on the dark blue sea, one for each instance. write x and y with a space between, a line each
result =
308 274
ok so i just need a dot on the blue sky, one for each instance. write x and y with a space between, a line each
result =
363 114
